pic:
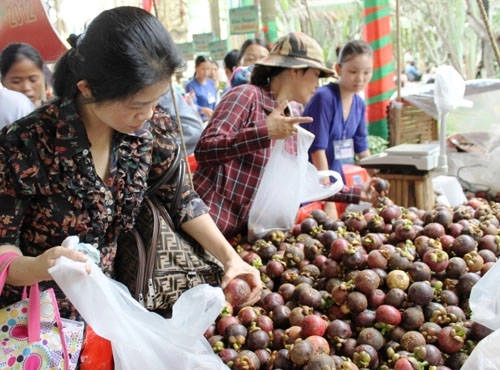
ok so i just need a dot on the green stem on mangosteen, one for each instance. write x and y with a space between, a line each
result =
421 365
384 327
279 258
344 308
257 263
405 251
364 358
390 353
435 243
469 346
458 332
316 230
497 241
326 302
226 311
341 231
439 256
264 277
437 285
406 224
218 346
439 317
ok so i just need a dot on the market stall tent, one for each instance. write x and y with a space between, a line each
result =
27 21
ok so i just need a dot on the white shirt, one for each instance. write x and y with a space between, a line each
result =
13 105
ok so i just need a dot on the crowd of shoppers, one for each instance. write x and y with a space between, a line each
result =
97 133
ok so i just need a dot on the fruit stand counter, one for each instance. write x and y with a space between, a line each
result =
411 190
386 288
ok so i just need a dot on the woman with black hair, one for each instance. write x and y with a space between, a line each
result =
202 88
23 69
81 164
235 146
251 51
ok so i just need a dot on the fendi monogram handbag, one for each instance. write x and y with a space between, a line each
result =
158 263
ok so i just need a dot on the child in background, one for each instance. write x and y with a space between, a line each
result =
202 88
338 111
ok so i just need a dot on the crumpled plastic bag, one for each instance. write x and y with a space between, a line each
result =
449 90
288 180
142 339
484 302
486 355
484 299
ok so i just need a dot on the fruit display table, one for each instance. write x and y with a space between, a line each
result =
411 190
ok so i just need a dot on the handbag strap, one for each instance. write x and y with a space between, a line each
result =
177 169
5 260
34 306
180 180
59 323
181 132
33 299
167 175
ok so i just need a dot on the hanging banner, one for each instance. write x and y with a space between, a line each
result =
201 41
27 21
377 32
187 50
218 49
244 20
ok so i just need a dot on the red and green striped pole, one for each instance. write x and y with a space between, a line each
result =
377 32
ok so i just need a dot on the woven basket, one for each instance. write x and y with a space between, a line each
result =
409 124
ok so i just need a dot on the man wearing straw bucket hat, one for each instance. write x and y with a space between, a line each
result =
237 142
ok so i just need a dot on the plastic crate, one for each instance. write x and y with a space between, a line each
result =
306 210
409 124
355 175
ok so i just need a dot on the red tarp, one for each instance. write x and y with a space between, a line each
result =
26 21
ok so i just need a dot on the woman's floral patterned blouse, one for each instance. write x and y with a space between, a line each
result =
49 188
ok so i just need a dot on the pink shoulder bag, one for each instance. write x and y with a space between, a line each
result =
33 335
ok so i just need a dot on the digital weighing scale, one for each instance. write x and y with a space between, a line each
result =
423 157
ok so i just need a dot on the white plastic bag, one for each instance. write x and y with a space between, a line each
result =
449 90
484 302
449 190
141 339
288 180
486 355
484 299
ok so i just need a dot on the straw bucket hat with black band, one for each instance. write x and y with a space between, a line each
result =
297 50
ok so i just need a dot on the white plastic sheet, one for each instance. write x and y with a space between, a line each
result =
141 339
449 90
484 302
